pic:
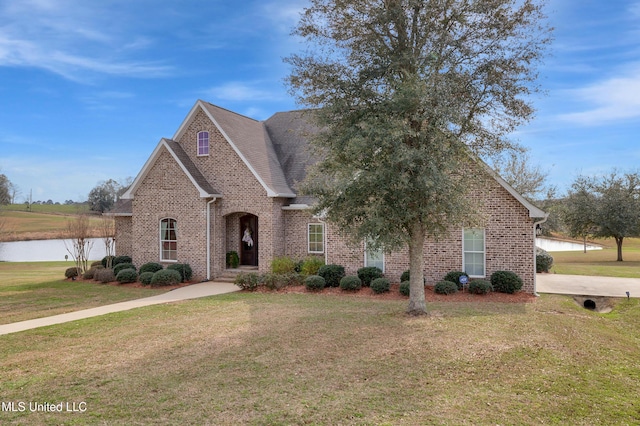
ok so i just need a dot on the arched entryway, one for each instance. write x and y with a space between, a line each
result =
248 240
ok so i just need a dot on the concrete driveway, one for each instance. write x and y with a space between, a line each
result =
587 285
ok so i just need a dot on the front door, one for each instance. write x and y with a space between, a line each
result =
249 240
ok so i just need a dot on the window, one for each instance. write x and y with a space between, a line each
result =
168 240
203 143
316 237
375 258
473 262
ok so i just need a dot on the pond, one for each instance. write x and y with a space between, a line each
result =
45 250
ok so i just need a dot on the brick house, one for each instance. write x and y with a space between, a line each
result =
225 182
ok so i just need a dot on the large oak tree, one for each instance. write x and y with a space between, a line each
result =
407 93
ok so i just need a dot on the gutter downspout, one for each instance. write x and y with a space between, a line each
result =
535 266
209 237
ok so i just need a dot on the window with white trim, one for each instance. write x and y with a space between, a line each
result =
375 258
168 240
315 238
203 143
473 252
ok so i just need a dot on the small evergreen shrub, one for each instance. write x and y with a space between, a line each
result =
480 287
506 282
380 285
311 265
445 287
165 277
150 267
368 274
277 281
107 261
184 269
88 275
351 283
454 277
104 275
404 288
146 277
120 266
332 274
314 282
96 263
233 260
406 276
247 281
298 267
121 259
126 276
544 261
283 265
72 272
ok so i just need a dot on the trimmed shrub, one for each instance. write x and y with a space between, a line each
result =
544 261
480 287
404 288
184 269
445 287
145 277
506 282
165 277
105 261
88 275
314 282
72 272
120 266
368 274
150 267
96 263
276 281
406 276
311 265
233 260
121 259
283 265
247 281
104 275
454 277
127 276
350 283
380 285
332 274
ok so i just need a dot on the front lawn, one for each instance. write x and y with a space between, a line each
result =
31 290
288 359
600 262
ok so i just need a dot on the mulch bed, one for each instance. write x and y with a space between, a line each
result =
394 294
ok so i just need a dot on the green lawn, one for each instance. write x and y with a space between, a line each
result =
285 359
31 290
601 262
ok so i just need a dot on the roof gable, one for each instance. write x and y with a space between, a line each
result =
250 141
184 162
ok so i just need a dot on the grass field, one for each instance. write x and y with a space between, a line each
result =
42 222
31 290
601 262
284 359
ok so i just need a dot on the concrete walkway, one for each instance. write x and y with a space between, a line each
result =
193 291
587 285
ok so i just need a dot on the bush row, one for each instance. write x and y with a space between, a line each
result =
123 271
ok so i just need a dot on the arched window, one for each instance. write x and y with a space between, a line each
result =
168 240
203 143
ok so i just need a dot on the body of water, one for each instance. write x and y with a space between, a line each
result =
46 250
558 245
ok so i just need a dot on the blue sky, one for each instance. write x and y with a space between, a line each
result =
88 88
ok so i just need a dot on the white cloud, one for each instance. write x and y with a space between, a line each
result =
239 91
73 39
613 99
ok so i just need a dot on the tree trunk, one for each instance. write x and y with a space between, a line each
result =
417 300
585 244
619 244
